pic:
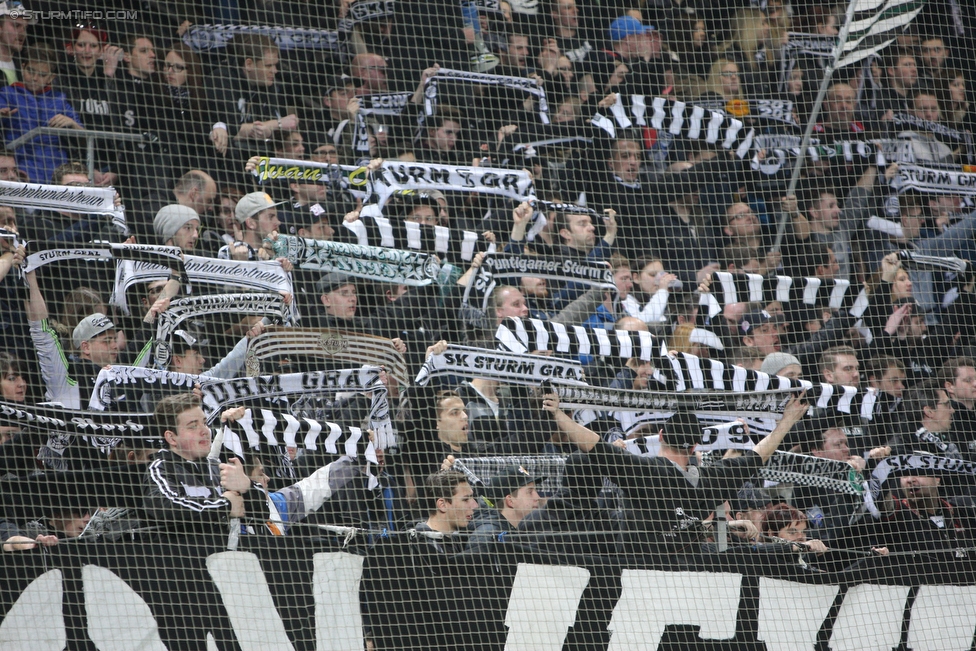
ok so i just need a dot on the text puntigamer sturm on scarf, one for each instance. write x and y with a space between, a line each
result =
512 266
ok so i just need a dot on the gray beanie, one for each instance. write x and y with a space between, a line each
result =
776 362
170 219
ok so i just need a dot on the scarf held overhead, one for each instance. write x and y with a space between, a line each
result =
203 38
558 270
933 180
526 84
515 368
256 275
181 309
384 265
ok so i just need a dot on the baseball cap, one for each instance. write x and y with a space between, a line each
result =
184 340
776 362
333 281
752 320
683 430
508 481
89 327
253 203
337 82
625 26
750 498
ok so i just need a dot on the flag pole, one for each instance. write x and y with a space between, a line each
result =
805 142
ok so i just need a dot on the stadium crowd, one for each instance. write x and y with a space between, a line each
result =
678 221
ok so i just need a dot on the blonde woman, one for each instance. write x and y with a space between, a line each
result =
752 46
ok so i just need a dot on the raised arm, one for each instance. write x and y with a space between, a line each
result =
584 438
36 306
795 409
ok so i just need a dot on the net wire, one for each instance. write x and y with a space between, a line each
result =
484 324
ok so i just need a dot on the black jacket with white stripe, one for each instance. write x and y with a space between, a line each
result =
183 495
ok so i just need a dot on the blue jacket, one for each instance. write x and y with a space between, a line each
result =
40 157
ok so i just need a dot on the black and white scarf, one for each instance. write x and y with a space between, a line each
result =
341 348
98 427
384 103
256 275
113 384
806 470
899 465
707 379
818 47
64 198
511 266
287 391
530 149
680 120
494 6
448 244
513 368
775 110
527 335
353 179
729 288
298 388
933 180
399 267
897 150
362 11
181 309
379 104
525 84
204 38
397 177
167 258
260 429
778 159
944 133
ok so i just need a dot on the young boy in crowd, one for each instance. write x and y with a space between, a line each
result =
35 103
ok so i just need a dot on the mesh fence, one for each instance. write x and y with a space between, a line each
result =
482 324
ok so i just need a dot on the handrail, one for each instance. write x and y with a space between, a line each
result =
89 136
52 131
